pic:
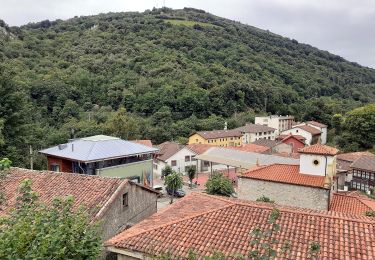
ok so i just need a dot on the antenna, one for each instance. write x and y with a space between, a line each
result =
163 3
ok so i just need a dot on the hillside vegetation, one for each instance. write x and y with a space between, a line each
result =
161 74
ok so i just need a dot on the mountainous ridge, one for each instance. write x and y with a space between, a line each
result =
174 71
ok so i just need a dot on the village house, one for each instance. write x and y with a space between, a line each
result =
223 138
344 171
363 172
104 156
308 184
297 142
311 134
117 203
280 123
178 157
274 146
206 224
253 132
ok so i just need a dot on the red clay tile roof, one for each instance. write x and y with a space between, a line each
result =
351 157
285 173
145 142
250 148
265 142
286 137
199 148
225 226
219 134
167 149
319 149
255 128
289 155
309 129
316 124
366 163
351 203
91 191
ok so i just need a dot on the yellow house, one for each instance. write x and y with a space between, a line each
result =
222 138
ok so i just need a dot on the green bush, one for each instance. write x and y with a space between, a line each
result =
218 184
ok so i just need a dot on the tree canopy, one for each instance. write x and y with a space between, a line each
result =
36 231
161 75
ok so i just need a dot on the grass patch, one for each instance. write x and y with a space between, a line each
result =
189 23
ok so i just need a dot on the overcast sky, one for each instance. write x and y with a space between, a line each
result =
342 27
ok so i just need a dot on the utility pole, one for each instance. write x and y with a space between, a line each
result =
31 158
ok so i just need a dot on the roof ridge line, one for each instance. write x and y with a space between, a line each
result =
177 221
311 212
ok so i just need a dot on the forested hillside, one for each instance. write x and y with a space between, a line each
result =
161 74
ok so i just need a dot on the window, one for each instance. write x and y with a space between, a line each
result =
174 163
55 167
193 158
196 140
125 201
187 158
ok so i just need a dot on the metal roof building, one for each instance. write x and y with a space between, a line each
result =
240 159
97 148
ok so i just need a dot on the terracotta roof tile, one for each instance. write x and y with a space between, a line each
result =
285 173
199 148
255 128
91 191
286 137
351 157
250 148
319 149
316 124
219 133
366 163
265 142
225 226
351 203
145 142
309 129
167 149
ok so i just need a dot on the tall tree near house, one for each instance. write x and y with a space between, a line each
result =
191 174
173 182
37 231
166 171
218 184
4 167
123 125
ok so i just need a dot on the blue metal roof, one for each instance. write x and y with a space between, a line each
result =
97 148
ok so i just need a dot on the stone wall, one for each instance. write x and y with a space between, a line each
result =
284 194
141 204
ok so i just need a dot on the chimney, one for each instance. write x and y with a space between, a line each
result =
72 147
225 126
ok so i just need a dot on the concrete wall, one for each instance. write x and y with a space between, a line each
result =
280 123
284 194
252 137
141 204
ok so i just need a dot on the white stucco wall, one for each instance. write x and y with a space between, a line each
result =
326 166
252 137
179 157
299 131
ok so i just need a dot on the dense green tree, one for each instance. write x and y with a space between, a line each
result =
174 71
173 182
35 231
358 129
218 184
191 174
